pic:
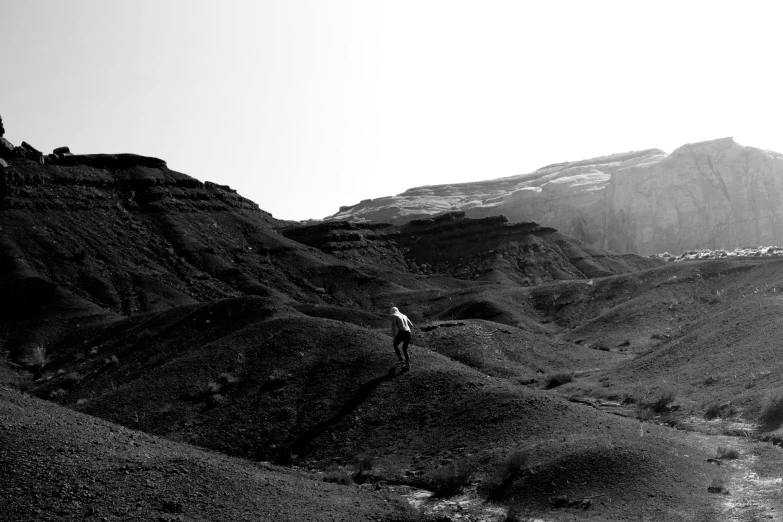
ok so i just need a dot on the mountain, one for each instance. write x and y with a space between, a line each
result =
713 194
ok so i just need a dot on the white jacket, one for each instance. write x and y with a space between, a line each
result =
400 322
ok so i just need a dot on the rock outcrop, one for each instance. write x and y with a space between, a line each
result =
714 194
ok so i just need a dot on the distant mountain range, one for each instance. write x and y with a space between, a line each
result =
713 194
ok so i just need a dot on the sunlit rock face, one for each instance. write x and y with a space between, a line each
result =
567 196
714 194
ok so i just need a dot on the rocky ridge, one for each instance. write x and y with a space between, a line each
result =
488 248
714 194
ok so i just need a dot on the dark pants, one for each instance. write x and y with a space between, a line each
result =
404 338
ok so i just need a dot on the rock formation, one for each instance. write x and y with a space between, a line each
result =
489 249
714 194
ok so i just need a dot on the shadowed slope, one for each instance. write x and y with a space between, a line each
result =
324 388
56 464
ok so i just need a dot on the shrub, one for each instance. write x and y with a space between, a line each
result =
449 479
111 360
558 379
772 411
516 462
59 392
662 403
36 357
216 399
337 475
512 467
728 453
722 411
227 379
512 515
717 486
224 382
365 462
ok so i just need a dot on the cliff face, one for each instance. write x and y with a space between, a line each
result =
714 194
566 196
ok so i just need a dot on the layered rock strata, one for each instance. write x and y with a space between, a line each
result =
489 248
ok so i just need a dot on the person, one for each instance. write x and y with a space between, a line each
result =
401 332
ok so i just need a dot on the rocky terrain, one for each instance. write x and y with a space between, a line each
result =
714 194
169 351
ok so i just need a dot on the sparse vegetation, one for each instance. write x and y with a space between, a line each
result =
558 379
36 357
223 383
510 470
663 402
337 475
718 486
772 412
719 411
512 515
448 480
728 453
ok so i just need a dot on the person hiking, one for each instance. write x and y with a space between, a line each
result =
401 332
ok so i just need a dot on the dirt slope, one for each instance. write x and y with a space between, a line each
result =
57 464
270 383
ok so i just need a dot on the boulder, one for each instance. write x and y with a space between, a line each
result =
6 149
61 150
3 164
31 153
26 146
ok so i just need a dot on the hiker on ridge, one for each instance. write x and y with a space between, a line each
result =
401 332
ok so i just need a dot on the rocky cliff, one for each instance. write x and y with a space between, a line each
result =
714 194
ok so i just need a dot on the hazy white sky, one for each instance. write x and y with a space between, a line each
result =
304 106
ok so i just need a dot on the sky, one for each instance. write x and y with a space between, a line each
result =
307 105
